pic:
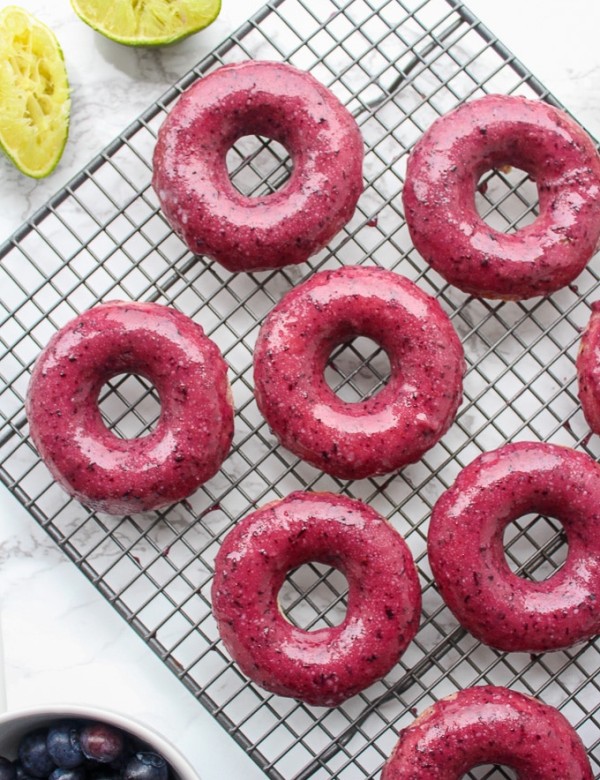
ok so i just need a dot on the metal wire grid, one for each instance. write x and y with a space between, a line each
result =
397 64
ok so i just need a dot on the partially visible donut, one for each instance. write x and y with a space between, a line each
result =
466 550
326 666
388 430
195 428
588 369
439 197
285 104
489 725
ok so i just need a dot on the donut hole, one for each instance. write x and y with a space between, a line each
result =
535 547
507 199
357 369
129 406
313 597
258 166
491 772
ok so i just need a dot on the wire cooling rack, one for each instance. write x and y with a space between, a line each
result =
397 65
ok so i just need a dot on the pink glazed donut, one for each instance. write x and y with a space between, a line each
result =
193 434
489 725
392 428
588 369
466 551
285 104
326 666
439 197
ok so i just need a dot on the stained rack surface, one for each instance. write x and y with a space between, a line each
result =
397 65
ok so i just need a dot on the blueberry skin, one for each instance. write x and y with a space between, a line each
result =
8 770
103 772
101 742
33 754
21 773
72 773
146 765
64 746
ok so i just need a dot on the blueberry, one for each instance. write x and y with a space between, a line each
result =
101 742
8 770
33 754
72 773
103 772
21 773
63 745
146 765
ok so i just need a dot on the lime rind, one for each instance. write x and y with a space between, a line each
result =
34 93
147 22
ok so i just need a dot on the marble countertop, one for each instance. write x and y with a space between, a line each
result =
62 641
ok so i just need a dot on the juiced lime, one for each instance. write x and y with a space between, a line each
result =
34 93
147 22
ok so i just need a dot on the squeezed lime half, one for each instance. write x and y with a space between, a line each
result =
34 93
147 22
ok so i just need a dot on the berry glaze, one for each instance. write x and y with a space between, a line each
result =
193 434
287 105
326 666
489 725
388 430
588 369
466 550
439 197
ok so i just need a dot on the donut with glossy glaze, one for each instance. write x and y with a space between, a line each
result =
466 550
439 197
193 434
287 226
388 430
588 369
489 725
326 666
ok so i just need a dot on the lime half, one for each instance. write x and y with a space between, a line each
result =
147 22
34 93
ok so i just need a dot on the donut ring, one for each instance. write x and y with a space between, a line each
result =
390 429
466 552
193 434
588 369
285 104
489 725
326 666
439 197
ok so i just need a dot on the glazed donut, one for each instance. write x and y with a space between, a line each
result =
588 369
439 197
466 552
489 725
193 434
326 666
390 429
287 105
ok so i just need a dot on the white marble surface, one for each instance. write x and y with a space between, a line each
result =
62 641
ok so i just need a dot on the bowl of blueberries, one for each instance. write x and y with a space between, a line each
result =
81 743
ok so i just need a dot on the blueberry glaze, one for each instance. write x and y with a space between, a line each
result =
326 666
439 197
193 434
489 725
588 369
280 102
388 430
466 550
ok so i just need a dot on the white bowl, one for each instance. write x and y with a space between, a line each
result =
14 725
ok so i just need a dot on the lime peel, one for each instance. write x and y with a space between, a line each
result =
34 93
147 22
